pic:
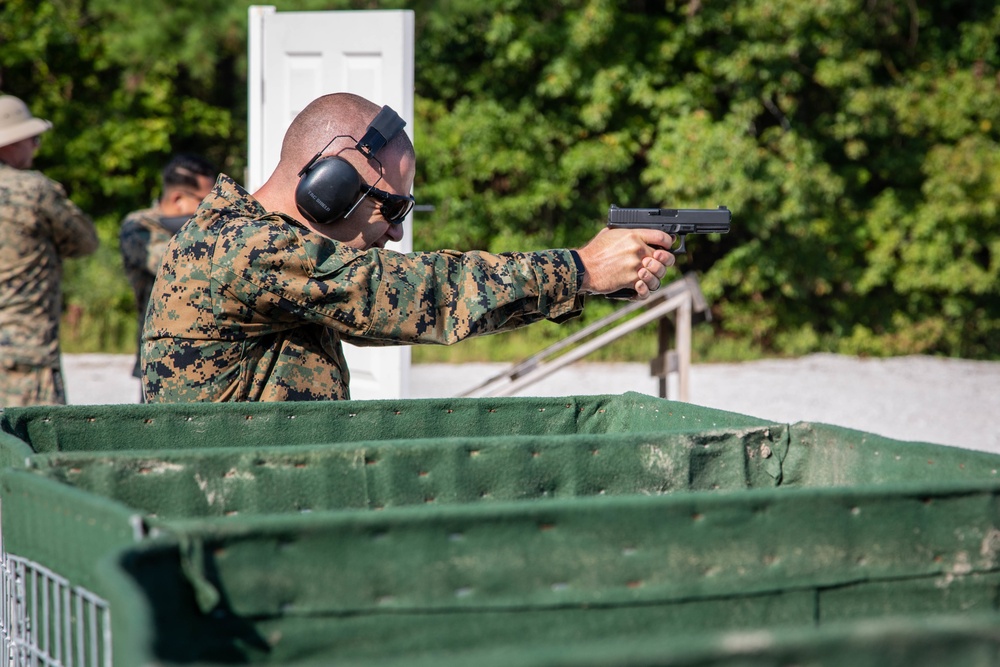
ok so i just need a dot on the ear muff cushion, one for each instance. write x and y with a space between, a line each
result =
328 190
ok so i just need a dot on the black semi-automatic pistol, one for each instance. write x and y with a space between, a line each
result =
678 222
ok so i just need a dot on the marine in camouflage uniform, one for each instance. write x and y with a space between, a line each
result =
39 227
256 294
251 306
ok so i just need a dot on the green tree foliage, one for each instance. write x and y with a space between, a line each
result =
856 142
125 85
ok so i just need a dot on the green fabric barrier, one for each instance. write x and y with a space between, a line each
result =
613 550
825 455
196 425
752 631
66 530
367 586
376 475
509 576
512 531
13 450
219 637
924 642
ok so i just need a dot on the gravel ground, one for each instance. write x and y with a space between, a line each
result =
945 401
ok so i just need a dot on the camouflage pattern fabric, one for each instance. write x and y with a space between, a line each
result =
24 385
142 240
252 306
39 227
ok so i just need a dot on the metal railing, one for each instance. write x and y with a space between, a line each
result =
681 299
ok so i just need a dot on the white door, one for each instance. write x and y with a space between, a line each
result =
294 57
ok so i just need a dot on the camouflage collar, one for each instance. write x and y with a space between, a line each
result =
230 195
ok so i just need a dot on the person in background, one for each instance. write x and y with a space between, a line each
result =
185 181
39 228
256 292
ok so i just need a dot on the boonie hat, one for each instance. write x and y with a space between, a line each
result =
16 121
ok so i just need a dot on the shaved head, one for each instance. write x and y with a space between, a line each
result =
327 117
392 170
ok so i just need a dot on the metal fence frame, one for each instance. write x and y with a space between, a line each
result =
46 621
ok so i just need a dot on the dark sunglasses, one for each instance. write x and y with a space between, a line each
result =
393 207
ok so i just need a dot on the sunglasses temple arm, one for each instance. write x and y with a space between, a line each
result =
361 198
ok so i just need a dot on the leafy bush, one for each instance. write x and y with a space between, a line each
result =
856 143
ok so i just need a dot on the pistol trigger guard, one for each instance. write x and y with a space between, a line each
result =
682 248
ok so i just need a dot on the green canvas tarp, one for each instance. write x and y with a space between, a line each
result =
577 530
197 425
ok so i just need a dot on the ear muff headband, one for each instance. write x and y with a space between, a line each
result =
329 187
381 130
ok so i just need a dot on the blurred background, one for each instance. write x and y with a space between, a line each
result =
855 141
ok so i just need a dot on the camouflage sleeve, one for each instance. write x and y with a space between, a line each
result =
385 297
448 296
73 232
142 249
133 239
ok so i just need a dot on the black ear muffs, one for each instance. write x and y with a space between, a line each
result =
327 189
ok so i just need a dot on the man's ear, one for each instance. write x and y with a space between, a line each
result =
170 202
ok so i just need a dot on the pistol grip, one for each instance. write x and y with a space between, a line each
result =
624 293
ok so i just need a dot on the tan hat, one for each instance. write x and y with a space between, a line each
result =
16 121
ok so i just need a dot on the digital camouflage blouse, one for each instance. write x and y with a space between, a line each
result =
251 305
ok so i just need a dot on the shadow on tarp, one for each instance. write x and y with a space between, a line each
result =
579 530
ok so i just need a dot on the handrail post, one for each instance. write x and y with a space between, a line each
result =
676 359
665 361
683 330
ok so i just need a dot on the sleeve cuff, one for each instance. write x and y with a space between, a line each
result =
580 269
